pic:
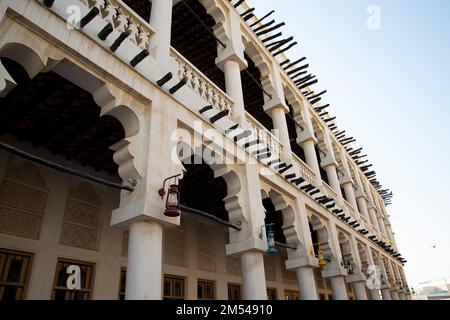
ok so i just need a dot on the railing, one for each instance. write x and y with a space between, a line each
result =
305 171
265 135
198 82
123 19
329 190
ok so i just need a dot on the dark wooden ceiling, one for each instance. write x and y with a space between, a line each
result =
254 95
51 112
192 39
276 217
200 190
323 172
314 238
141 7
292 129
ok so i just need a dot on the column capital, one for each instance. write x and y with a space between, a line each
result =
249 245
333 269
303 262
307 136
275 103
329 162
346 179
230 54
384 286
357 276
360 194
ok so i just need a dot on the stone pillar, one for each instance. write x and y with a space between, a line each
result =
233 83
311 158
362 204
357 278
277 111
350 194
335 270
231 60
401 296
359 288
390 234
307 283
253 276
375 294
247 244
333 178
386 294
144 270
161 21
302 262
373 216
381 224
394 295
338 288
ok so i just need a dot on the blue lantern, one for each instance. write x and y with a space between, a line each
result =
270 238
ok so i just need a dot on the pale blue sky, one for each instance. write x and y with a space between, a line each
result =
389 88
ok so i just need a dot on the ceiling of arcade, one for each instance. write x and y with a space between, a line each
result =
51 112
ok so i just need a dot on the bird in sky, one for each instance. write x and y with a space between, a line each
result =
434 247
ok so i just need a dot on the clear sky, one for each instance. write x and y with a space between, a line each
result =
390 89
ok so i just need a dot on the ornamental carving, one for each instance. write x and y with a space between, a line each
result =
82 218
23 199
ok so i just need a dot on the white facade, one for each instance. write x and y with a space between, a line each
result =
57 219
437 289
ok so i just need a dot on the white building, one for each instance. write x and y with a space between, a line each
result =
437 289
120 97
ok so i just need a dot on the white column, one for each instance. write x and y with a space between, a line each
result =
144 270
362 204
338 288
311 158
278 115
233 83
333 179
307 283
394 295
389 232
375 294
386 294
161 21
381 224
359 288
373 217
350 194
253 276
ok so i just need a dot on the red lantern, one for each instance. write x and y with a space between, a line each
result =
173 202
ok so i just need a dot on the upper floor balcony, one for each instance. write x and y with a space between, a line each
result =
199 30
